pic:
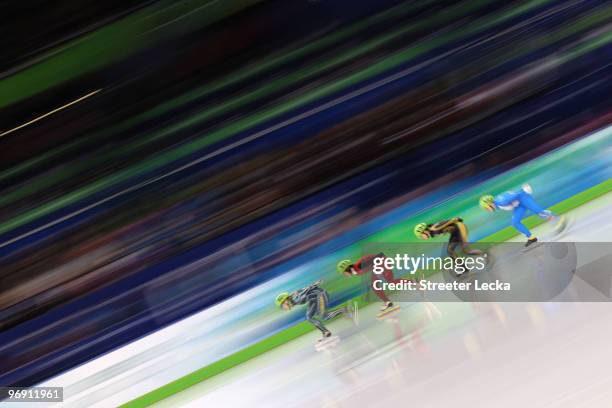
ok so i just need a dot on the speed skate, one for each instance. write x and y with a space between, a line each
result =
388 312
327 343
560 228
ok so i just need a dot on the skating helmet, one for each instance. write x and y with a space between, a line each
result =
486 202
280 299
419 229
343 265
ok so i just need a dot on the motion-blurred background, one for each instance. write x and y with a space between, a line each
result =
158 158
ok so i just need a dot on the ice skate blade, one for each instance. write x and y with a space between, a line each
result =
533 246
327 343
388 312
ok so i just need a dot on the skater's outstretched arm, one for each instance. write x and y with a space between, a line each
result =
440 226
299 296
365 262
508 201
314 285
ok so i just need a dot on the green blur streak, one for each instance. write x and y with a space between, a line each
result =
241 100
293 332
236 77
590 46
594 18
582 24
310 71
280 58
113 42
266 114
217 110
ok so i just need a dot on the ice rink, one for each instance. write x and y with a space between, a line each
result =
433 355
552 354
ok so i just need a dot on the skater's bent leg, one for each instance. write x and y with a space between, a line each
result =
517 217
319 325
311 313
380 293
450 249
323 302
332 314
462 233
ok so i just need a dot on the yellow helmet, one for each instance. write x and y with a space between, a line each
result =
343 265
486 202
280 299
420 229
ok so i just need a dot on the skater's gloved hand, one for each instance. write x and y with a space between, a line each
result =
546 214
527 188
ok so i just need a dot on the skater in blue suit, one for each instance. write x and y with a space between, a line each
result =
519 201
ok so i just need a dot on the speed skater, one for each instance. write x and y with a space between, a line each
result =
316 300
458 235
519 201
365 265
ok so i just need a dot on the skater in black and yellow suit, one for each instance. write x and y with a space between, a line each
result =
455 228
